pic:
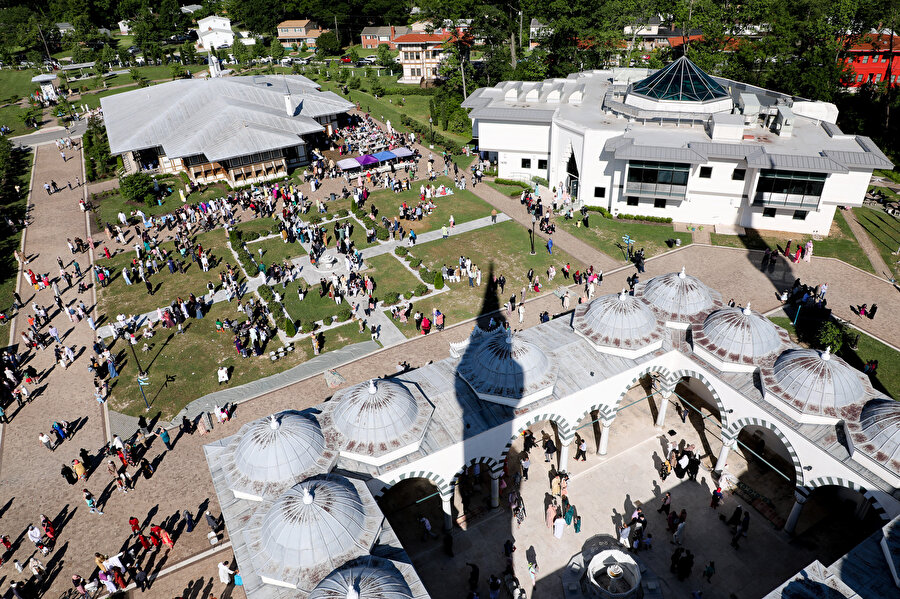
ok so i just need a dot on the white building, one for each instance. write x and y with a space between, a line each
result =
817 416
420 56
214 32
678 143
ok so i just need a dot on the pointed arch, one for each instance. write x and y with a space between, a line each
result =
443 486
491 465
666 382
738 425
826 481
680 374
563 428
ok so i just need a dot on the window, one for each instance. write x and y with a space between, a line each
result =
859 78
705 172
632 201
526 163
865 59
599 192
877 77
653 179
542 165
738 174
795 189
800 214
769 212
659 203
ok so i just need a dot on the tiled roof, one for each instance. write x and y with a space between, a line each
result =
419 38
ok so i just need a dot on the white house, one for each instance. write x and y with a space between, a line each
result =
214 32
124 27
678 143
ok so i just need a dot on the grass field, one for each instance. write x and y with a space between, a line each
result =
884 231
390 276
14 84
110 205
11 116
840 242
92 99
463 205
313 308
500 249
275 250
9 267
507 190
604 234
192 359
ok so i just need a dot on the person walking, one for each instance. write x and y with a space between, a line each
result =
225 573
521 311
163 435
678 537
91 502
582 451
188 521
45 439
135 524
549 449
666 504
716 498
709 570
426 528
526 464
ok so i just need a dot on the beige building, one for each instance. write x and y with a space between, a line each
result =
421 55
302 31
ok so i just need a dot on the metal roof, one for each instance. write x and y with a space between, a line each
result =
680 81
627 150
815 164
522 114
678 297
368 577
738 335
815 382
220 117
506 365
618 321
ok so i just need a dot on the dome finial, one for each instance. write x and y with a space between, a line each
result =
509 336
372 388
747 310
307 496
273 422
682 274
352 593
827 355
623 295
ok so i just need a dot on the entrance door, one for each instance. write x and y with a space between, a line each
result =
572 177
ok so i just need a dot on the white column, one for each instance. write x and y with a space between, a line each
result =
799 499
495 489
727 443
564 455
447 506
604 437
661 417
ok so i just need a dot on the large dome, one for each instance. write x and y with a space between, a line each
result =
617 321
878 432
315 522
738 335
816 382
678 297
375 415
368 577
278 448
507 366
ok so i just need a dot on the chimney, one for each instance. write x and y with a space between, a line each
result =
393 33
289 104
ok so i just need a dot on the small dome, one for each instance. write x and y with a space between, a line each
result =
878 432
314 522
278 448
375 413
738 335
678 297
506 365
365 578
816 382
620 321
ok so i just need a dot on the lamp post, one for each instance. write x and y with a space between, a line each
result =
431 128
533 220
142 380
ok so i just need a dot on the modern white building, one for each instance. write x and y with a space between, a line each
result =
678 143
214 32
818 418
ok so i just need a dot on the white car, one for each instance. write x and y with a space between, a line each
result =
372 58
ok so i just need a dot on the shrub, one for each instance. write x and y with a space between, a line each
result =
425 274
401 251
234 237
415 263
541 181
830 334
391 298
421 289
408 295
521 184
342 212
355 83
344 314
649 219
290 329
316 219
137 188
603 211
438 280
382 233
266 293
247 263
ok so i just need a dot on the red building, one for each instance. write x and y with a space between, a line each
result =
873 60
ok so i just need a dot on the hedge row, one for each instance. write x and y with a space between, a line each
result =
521 184
541 181
410 91
649 219
423 132
603 211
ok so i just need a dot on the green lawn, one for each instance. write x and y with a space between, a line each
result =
260 226
11 116
463 205
503 248
605 233
9 266
275 250
192 358
92 99
313 308
110 205
390 276
14 84
507 190
357 233
884 231
840 242
888 377
119 298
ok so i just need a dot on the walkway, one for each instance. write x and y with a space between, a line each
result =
865 242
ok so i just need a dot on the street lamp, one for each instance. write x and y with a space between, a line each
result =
431 128
533 220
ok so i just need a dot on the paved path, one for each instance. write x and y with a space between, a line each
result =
865 242
49 135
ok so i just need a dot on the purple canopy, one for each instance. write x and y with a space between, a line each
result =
401 152
367 160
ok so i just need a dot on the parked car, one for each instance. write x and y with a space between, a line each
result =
362 62
302 60
373 58
346 59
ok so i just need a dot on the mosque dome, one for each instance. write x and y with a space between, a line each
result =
315 522
738 335
815 382
507 368
678 297
619 321
877 433
279 448
365 578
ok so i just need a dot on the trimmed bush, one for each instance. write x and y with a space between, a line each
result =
649 219
266 293
438 280
250 236
541 181
408 295
185 178
401 251
344 314
342 212
421 289
290 329
391 298
600 209
315 219
360 214
831 335
521 184
415 263
382 233
425 274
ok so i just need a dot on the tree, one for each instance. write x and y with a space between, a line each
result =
188 53
276 50
377 88
107 56
259 16
178 71
240 52
830 335
385 57
137 188
328 44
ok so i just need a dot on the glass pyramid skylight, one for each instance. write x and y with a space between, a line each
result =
680 81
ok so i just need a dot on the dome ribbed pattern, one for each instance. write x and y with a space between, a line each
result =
617 321
376 413
369 577
878 432
267 453
314 522
681 81
816 382
739 335
678 296
506 365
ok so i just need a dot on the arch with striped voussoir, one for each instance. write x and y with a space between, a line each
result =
826 481
488 464
565 430
443 487
734 430
678 375
665 384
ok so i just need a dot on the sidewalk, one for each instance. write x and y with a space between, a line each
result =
865 242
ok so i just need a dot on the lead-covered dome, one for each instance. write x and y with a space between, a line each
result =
679 298
737 336
271 453
814 382
877 433
618 322
508 369
368 577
